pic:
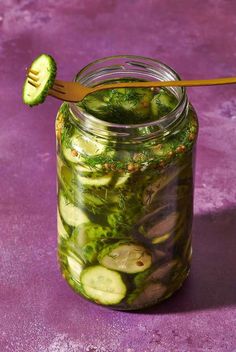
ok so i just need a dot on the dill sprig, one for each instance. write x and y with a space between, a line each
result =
68 127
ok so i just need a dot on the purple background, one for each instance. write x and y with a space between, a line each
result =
39 312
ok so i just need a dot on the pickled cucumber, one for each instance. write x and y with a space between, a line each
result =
103 285
43 70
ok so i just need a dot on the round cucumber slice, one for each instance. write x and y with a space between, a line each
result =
82 147
103 285
72 215
125 257
43 70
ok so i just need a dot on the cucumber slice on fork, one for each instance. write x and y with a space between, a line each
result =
40 78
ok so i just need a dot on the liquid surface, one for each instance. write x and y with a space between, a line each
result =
129 105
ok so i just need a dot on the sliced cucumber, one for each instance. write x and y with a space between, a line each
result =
151 192
163 271
75 267
162 238
96 103
163 227
84 170
79 235
77 193
90 251
96 181
60 227
71 154
72 215
45 69
125 257
163 103
68 181
103 285
82 243
132 105
97 232
122 180
88 146
151 293
82 146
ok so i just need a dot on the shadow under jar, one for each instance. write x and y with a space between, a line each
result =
125 191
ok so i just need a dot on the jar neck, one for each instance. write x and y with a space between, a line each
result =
135 67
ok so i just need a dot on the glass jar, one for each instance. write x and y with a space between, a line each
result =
125 194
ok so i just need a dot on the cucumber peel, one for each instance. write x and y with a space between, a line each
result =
46 67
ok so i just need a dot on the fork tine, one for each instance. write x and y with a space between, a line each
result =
34 78
58 84
55 94
33 83
35 72
57 90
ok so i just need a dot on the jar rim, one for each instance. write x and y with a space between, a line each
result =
151 65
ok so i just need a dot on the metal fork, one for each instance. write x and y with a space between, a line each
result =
75 91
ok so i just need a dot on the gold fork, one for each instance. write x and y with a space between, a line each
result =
75 91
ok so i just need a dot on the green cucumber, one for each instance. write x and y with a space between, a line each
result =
90 251
96 103
163 271
163 103
103 285
71 155
45 69
80 147
72 215
68 182
161 238
62 233
91 232
88 146
163 227
96 181
122 105
125 257
163 180
122 180
130 105
84 170
76 191
151 293
75 267
81 242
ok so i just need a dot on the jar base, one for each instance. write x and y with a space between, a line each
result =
182 276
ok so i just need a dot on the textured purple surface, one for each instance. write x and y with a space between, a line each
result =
39 312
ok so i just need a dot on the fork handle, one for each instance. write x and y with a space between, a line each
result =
186 83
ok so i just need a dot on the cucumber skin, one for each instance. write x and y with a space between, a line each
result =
53 71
